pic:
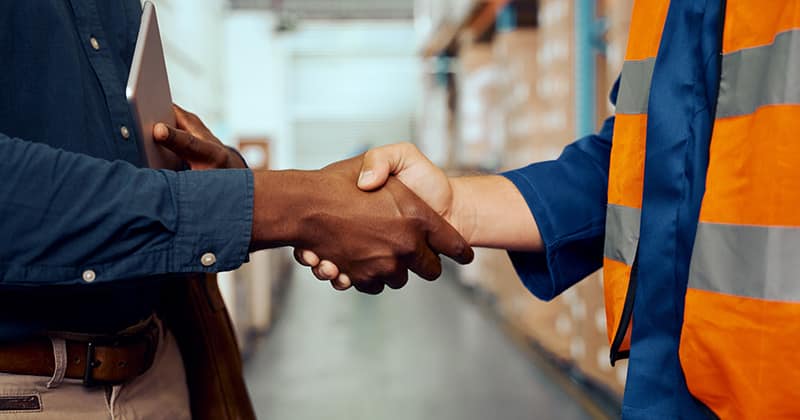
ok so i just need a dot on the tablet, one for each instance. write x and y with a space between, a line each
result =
148 92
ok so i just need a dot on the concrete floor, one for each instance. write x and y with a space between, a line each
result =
426 352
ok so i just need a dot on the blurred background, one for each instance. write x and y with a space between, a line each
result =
479 86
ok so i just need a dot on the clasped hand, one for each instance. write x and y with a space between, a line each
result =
367 237
374 237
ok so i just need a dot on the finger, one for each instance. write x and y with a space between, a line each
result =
185 119
370 287
380 163
298 256
306 257
326 271
342 283
426 264
396 280
444 239
185 145
329 270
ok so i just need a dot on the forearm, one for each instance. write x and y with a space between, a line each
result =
65 213
490 212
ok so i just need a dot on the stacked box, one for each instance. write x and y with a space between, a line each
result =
546 323
479 115
526 141
435 120
618 14
515 54
555 59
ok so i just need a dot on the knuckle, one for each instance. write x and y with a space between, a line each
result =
458 247
391 267
368 273
407 248
219 160
409 148
192 142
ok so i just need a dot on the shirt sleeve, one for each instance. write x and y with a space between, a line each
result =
568 198
64 215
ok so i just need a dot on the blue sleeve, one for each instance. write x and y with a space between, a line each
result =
64 213
568 198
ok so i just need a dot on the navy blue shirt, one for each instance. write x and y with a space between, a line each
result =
568 198
73 196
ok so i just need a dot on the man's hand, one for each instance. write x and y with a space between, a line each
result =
374 237
488 211
193 142
418 173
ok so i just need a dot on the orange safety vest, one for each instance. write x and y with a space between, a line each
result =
626 171
741 329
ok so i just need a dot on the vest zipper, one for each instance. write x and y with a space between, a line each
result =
627 313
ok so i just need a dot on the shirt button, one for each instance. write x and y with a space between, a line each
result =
208 259
126 134
89 276
95 43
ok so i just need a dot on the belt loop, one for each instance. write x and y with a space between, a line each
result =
60 357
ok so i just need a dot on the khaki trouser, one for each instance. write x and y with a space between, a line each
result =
160 393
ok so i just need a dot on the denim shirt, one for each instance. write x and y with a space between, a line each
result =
88 235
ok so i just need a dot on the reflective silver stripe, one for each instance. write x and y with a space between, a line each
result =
754 77
749 261
622 233
634 86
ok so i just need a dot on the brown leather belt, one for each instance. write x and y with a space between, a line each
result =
104 360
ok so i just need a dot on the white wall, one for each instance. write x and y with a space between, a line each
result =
319 93
255 91
322 92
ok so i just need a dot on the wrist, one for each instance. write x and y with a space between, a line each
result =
280 200
462 214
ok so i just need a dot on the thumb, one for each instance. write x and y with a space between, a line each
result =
380 163
184 144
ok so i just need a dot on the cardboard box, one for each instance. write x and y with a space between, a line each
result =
479 112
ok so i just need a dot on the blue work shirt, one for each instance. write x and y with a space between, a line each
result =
74 203
568 199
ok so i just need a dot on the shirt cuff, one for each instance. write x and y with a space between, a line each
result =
564 261
215 220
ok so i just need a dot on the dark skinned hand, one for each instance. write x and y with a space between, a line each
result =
375 237
193 142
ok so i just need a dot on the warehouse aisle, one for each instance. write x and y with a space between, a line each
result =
425 352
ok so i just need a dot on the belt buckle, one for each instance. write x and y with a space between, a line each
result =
88 380
91 362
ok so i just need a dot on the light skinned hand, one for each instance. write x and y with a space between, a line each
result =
412 168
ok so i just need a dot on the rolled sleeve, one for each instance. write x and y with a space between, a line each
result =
215 216
567 198
71 219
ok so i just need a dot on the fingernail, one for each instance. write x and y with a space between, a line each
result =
365 177
344 281
324 269
160 131
310 258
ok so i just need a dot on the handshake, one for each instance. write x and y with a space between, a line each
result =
362 222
